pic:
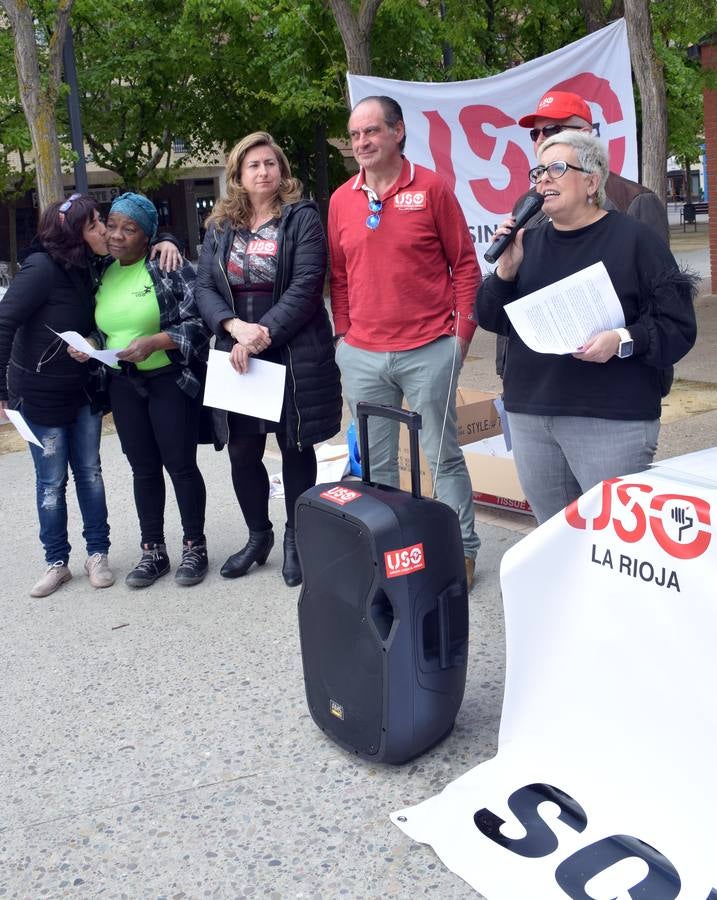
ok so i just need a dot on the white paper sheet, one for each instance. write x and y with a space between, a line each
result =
559 318
23 429
259 392
77 342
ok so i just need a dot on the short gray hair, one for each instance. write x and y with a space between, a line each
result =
589 152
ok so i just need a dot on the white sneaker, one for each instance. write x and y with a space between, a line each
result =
98 571
56 575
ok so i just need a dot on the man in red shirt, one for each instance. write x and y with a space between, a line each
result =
403 282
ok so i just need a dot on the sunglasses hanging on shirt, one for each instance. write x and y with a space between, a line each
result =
375 206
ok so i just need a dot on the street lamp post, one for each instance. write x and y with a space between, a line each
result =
73 106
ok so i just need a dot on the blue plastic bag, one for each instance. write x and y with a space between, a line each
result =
354 455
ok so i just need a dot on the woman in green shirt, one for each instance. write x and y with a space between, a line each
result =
155 391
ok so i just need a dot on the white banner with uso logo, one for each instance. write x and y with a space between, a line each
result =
604 783
468 131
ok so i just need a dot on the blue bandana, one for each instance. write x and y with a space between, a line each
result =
140 209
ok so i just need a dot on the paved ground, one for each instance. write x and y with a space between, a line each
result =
158 744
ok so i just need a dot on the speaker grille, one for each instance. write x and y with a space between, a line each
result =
343 657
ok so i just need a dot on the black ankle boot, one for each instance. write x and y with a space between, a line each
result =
291 570
153 565
194 564
256 550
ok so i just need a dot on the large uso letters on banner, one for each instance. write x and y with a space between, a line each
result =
603 787
468 131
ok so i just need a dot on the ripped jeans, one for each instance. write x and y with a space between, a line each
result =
77 446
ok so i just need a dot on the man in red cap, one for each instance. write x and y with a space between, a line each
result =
559 111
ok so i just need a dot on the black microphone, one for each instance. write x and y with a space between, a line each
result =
526 211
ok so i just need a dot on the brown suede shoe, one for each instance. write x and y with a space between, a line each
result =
56 575
98 571
470 572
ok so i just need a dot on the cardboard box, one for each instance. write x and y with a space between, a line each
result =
493 477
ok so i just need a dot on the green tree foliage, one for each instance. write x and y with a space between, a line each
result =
38 35
210 71
277 67
677 26
136 63
17 172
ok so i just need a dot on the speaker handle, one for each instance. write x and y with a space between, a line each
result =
405 416
444 599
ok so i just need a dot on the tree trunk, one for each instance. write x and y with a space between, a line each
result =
594 15
356 32
38 95
650 79
46 147
597 16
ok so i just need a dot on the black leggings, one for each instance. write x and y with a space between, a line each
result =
161 430
251 481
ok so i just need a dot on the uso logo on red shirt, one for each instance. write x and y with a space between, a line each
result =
410 200
262 248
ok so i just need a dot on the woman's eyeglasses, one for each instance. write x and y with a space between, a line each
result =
374 219
555 170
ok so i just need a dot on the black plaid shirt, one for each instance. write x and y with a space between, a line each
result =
180 319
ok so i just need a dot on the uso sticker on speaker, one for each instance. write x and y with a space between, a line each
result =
340 495
403 562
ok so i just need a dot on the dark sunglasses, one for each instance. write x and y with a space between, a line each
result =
555 170
551 130
374 219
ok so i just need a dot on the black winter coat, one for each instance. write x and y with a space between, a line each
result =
297 321
35 368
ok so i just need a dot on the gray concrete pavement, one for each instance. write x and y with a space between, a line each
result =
158 744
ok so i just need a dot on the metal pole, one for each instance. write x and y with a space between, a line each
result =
73 107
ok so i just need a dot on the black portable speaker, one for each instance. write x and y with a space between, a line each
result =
383 610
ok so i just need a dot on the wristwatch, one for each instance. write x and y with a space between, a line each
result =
625 347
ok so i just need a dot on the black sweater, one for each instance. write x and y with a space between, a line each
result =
657 300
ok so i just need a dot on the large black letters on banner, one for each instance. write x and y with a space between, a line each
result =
661 882
540 840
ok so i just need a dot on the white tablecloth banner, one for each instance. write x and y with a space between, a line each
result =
605 775
468 132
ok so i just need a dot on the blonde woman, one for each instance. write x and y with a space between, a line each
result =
260 290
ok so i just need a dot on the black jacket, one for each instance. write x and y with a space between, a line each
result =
35 368
297 321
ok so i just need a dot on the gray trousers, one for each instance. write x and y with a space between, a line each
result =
427 378
558 458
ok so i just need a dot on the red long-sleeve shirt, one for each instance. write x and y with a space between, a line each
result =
411 279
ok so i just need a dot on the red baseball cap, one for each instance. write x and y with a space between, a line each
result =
558 105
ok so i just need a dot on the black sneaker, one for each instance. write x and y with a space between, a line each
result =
153 565
194 564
